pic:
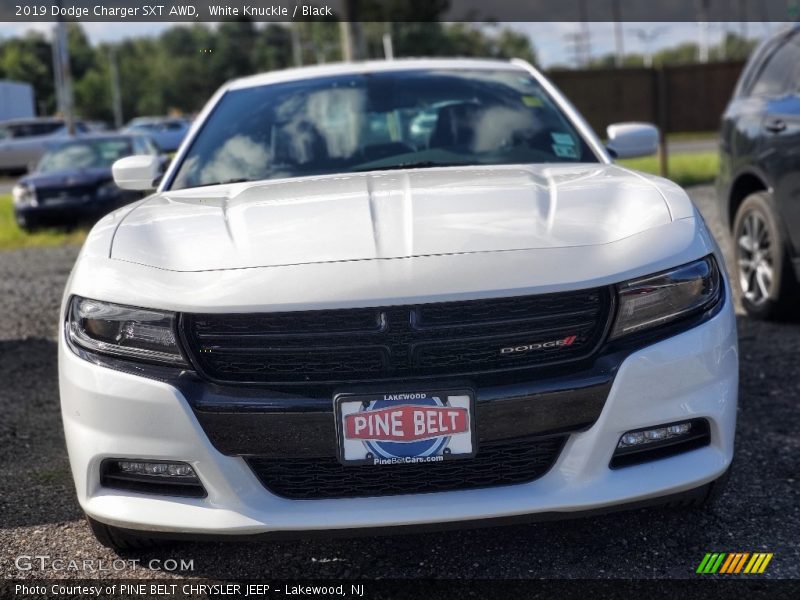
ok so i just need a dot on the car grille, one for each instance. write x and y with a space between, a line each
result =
400 342
496 463
65 194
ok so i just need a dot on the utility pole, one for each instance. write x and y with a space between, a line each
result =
297 47
346 40
619 41
388 46
66 75
349 34
116 98
702 22
580 42
59 84
586 42
647 37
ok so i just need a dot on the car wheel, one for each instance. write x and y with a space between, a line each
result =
119 539
764 274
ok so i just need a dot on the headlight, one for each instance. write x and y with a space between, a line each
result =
124 331
23 195
667 296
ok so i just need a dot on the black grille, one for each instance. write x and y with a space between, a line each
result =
369 344
496 463
71 194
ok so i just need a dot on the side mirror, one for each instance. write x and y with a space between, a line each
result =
138 172
629 140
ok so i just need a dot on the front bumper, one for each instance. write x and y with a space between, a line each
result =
73 210
109 413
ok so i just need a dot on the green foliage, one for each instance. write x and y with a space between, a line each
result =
733 47
685 168
29 59
180 69
12 237
682 54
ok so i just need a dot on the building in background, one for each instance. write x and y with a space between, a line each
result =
16 100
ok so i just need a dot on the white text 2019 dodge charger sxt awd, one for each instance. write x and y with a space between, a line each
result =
386 294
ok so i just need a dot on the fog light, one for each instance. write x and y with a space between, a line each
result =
679 429
642 445
155 468
644 436
631 439
151 477
655 434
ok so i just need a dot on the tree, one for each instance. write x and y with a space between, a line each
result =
733 47
513 44
30 59
232 54
273 48
181 68
82 57
682 54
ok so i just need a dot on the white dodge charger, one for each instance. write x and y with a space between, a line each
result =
379 295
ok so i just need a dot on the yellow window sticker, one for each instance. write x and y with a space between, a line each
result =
532 101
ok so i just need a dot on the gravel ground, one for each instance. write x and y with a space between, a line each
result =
760 511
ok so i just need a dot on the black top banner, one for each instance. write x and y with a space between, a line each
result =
399 10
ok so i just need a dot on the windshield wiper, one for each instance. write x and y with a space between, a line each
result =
421 164
227 181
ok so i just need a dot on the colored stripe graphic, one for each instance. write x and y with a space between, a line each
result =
764 564
702 567
740 563
711 562
734 562
758 563
730 561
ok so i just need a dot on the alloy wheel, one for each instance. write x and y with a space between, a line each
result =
755 257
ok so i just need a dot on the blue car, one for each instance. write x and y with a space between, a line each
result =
166 132
73 183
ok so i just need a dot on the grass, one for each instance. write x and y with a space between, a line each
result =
691 136
12 237
686 168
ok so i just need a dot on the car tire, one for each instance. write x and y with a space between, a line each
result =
764 273
119 539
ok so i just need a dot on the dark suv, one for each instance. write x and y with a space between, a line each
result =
759 179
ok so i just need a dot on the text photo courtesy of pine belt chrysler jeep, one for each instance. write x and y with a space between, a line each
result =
401 293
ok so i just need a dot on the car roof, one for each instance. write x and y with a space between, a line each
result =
373 66
146 120
94 137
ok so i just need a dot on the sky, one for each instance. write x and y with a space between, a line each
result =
551 40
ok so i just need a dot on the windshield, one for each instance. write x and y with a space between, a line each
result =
85 155
375 121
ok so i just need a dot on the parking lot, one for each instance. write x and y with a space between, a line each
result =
760 510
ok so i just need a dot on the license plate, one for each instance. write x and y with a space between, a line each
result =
405 427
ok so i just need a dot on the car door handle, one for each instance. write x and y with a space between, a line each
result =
775 125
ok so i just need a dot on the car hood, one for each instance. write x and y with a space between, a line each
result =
389 215
68 178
